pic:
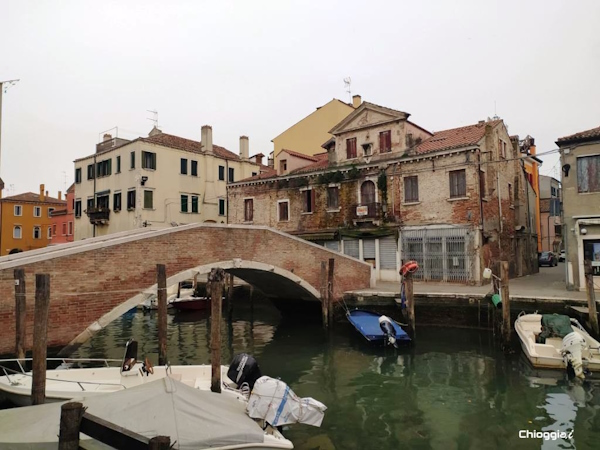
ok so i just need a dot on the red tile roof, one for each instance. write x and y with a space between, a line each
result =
298 155
582 135
321 163
34 198
263 175
179 143
455 137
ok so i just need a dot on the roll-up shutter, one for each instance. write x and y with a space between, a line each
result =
387 252
351 247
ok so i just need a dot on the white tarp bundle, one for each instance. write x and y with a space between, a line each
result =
273 400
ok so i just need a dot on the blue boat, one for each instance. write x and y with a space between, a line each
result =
368 324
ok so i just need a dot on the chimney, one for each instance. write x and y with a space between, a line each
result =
356 101
207 142
59 195
42 198
107 137
244 147
258 158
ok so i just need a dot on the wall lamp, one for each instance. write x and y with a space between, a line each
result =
143 181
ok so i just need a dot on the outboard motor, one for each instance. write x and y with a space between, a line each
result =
388 329
244 369
572 345
130 357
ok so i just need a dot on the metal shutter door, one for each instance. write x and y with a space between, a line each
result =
351 247
387 252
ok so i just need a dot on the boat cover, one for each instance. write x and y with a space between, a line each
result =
193 419
554 325
367 324
273 400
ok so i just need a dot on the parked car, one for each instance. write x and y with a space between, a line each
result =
547 259
561 256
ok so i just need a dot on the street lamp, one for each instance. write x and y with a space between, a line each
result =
3 86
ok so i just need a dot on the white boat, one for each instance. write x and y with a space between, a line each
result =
575 347
192 418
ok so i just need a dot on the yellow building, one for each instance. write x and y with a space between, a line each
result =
532 168
310 133
25 222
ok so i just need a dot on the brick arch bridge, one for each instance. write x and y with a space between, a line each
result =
94 281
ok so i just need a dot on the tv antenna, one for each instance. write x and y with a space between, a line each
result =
347 86
154 117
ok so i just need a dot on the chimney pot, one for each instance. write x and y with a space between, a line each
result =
42 187
59 195
107 137
258 158
356 101
207 140
244 147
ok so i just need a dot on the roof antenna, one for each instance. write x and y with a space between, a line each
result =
347 86
154 118
495 115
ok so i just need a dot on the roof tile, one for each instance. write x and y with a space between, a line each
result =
32 197
587 134
455 138
179 143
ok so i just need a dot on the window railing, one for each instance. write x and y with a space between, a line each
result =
98 216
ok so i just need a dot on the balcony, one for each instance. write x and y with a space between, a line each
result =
98 216
367 211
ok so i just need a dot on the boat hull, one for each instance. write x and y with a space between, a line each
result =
367 323
191 304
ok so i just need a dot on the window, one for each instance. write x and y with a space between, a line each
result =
351 148
283 166
385 141
103 168
70 228
588 174
458 183
254 174
130 200
502 148
102 201
184 203
90 204
333 197
195 204
132 160
37 232
510 195
148 160
230 178
308 197
54 229
37 211
411 189
118 164
18 210
64 228
90 172
482 185
367 193
221 207
50 212
78 175
558 230
248 210
49 233
148 199
221 173
553 191
283 211
77 208
117 201
183 170
17 232
194 168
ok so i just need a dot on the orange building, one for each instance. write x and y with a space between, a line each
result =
25 222
62 220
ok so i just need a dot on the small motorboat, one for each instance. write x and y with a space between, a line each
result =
191 418
557 341
376 327
190 303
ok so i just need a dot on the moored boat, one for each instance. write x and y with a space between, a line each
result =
376 327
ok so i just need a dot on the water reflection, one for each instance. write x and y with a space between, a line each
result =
453 390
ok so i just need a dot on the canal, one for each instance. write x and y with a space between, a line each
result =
455 389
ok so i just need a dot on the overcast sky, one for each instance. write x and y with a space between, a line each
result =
257 67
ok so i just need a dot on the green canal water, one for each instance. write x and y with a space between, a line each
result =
454 389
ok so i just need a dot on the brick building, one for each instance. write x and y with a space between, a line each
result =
387 190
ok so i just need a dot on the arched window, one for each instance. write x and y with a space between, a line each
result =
367 192
37 232
17 232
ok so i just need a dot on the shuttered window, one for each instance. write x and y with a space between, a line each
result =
309 200
333 245
458 183
411 189
351 148
333 195
387 252
588 174
248 210
385 141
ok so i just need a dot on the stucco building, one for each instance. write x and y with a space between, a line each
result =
550 214
386 190
160 180
25 221
62 220
580 163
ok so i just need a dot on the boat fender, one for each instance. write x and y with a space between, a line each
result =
572 345
409 267
388 329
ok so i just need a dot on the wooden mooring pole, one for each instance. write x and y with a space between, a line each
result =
324 296
161 279
504 295
20 313
591 296
330 292
410 305
70 419
230 297
40 338
216 279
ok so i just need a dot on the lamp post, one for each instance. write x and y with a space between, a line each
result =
2 83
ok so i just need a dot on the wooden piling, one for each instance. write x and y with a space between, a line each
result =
504 295
330 292
591 296
160 443
40 338
410 305
324 296
230 297
161 276
20 313
216 280
70 420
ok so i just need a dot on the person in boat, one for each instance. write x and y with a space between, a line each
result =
388 330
